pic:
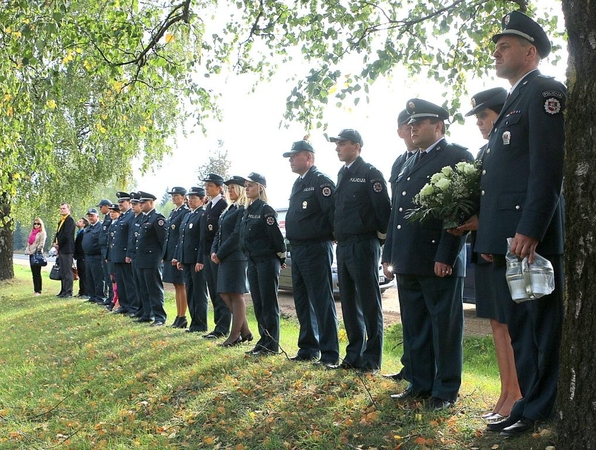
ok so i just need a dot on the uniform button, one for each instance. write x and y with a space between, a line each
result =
482 193
408 179
399 227
484 172
400 209
517 207
433 241
488 150
404 193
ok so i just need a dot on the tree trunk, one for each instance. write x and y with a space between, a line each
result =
6 238
576 403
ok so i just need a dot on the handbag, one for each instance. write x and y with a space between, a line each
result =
75 273
37 259
55 272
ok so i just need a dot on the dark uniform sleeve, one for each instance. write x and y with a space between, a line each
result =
160 229
270 218
379 199
232 243
325 196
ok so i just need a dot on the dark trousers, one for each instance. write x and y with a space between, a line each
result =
107 279
127 292
535 328
66 276
313 296
222 315
141 291
36 274
196 296
153 303
263 278
95 278
358 273
433 321
81 269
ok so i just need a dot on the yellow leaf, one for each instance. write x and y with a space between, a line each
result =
208 440
51 104
169 38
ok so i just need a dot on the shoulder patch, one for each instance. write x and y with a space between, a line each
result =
161 222
377 186
326 191
270 220
552 105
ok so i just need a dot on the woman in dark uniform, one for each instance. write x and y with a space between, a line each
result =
486 107
231 276
171 274
263 244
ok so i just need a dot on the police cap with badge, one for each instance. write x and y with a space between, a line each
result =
237 180
213 178
135 197
146 196
299 146
104 202
198 191
518 24
491 98
123 196
421 109
114 207
92 212
177 190
348 134
257 178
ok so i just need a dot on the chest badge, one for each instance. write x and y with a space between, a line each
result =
210 227
304 204
190 226
506 137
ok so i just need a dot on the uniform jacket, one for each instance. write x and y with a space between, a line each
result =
111 236
120 241
362 205
65 236
414 247
227 241
173 226
259 232
210 224
151 240
522 169
79 252
396 170
92 239
133 234
187 250
103 238
310 214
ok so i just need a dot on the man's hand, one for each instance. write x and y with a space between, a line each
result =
523 246
198 267
469 225
442 270
388 271
214 258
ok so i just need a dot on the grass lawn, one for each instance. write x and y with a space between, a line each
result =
73 376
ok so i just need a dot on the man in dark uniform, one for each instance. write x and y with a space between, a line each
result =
93 259
209 226
64 243
430 266
521 199
104 208
309 228
133 234
405 133
362 210
127 292
186 255
149 252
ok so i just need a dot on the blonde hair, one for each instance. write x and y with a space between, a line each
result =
241 191
42 227
262 194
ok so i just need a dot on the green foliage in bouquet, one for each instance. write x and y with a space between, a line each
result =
451 195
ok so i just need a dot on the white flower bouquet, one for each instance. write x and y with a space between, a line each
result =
451 195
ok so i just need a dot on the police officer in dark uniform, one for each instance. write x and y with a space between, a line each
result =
104 208
209 226
309 228
93 259
127 292
133 233
405 133
263 244
171 274
430 266
187 252
521 199
362 210
114 215
150 247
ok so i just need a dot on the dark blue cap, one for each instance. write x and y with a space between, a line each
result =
403 117
236 180
518 24
299 146
134 197
144 196
104 202
218 180
491 98
198 191
177 190
348 134
93 211
421 109
257 178
115 207
122 196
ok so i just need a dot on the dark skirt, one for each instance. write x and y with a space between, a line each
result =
231 277
171 274
489 292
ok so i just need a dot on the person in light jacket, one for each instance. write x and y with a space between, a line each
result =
37 240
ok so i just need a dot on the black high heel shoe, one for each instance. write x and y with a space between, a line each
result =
247 338
238 341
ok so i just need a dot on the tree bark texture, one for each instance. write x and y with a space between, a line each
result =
576 402
6 238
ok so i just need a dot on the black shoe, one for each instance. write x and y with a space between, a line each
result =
175 323
409 394
195 329
343 365
110 307
263 352
213 335
64 296
301 358
521 426
158 323
121 311
438 404
182 323
502 424
247 338
143 320
235 342
398 376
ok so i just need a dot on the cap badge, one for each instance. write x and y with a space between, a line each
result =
412 106
473 102
506 19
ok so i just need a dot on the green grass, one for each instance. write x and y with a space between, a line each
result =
73 376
